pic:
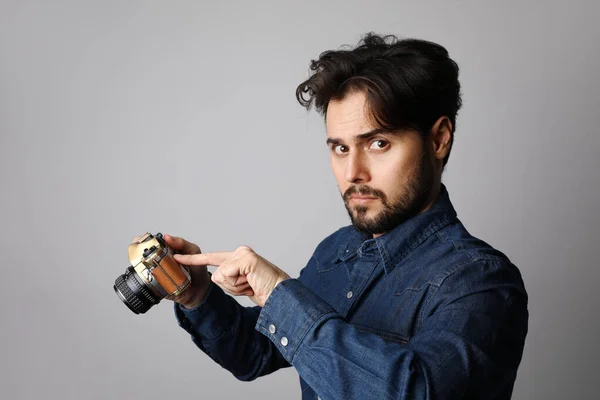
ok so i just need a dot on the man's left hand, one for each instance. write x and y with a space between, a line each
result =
240 272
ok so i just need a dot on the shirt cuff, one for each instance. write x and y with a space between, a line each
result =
210 318
289 314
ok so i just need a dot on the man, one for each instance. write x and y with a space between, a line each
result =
403 303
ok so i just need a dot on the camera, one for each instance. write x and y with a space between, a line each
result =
153 274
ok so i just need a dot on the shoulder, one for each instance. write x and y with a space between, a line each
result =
467 246
474 262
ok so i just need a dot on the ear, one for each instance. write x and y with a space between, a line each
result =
441 137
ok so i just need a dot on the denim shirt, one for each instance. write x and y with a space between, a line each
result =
425 311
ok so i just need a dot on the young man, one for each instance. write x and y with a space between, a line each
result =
403 303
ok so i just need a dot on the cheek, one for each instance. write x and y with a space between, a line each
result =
394 173
340 177
337 169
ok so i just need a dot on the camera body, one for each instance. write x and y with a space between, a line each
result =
153 274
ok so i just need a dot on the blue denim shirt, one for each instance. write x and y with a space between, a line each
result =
425 311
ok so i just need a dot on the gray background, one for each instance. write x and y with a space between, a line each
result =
118 118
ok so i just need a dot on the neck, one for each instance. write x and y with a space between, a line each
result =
434 195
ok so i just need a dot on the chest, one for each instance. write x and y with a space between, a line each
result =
391 305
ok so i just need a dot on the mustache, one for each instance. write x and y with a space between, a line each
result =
363 191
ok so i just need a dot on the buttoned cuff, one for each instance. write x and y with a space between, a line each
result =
289 314
210 318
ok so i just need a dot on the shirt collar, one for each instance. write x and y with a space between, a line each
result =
396 244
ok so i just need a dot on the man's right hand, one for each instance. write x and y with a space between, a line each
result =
196 292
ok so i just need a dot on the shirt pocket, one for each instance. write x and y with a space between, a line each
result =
409 307
391 311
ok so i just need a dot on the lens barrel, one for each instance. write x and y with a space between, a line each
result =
134 293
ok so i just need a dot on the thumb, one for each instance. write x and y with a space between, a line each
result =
181 245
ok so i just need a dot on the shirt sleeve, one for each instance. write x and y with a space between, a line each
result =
469 344
224 330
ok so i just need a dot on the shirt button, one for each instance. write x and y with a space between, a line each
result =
272 328
284 341
349 294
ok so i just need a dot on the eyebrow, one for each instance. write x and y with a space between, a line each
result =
362 136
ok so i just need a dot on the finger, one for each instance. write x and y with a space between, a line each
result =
247 291
241 280
225 284
239 290
181 245
203 259
230 271
227 274
220 283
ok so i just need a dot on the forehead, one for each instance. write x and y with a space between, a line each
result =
348 117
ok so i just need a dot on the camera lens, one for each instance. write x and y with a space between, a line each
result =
134 292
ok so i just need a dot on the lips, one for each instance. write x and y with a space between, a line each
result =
362 199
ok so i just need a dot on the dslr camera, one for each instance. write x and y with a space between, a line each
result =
153 274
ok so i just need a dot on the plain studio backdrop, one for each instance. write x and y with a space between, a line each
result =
124 117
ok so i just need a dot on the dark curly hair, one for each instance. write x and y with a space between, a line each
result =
409 83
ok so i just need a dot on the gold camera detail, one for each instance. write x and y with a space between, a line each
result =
153 274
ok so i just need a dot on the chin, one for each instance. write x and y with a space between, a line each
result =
367 218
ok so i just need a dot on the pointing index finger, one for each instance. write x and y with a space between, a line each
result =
215 259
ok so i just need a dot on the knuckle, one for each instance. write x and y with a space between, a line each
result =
244 249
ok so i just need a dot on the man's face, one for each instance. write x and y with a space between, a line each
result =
384 178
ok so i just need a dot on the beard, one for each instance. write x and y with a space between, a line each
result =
411 201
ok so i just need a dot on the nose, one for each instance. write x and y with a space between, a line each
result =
356 167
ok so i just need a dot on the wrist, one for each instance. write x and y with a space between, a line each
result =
281 278
195 297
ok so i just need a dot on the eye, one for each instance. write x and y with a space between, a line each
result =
340 149
379 144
